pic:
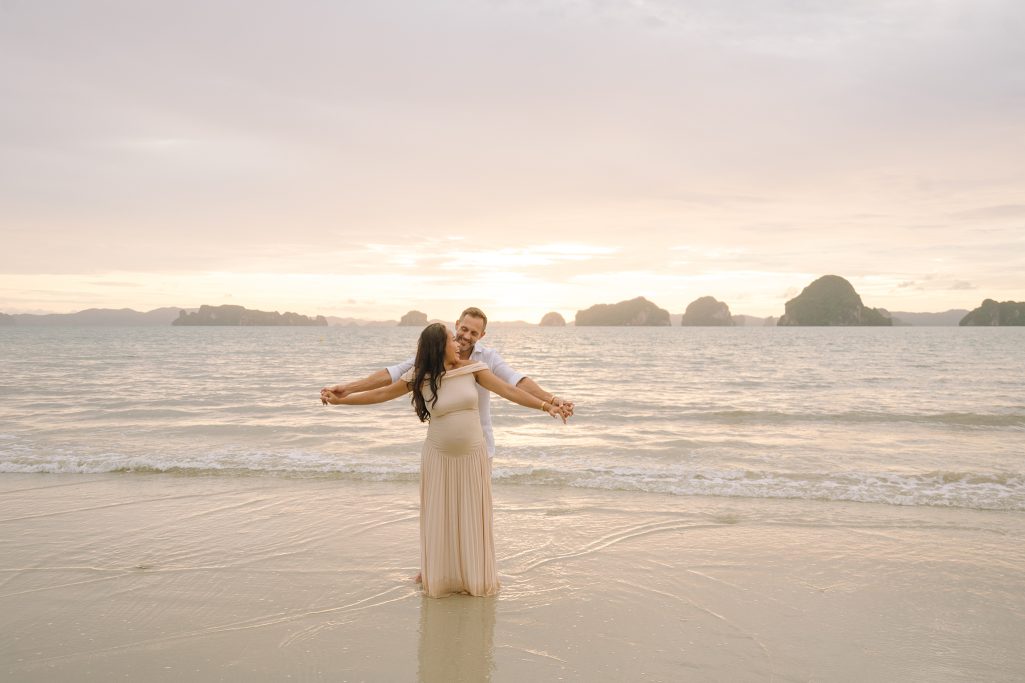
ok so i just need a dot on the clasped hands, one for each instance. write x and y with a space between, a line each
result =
563 408
565 411
335 392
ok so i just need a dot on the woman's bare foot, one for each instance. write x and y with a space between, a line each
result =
418 578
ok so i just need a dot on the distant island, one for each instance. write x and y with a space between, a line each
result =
707 312
635 312
753 321
831 300
413 319
335 321
992 314
944 319
94 317
553 319
241 316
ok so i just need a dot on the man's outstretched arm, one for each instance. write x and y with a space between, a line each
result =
501 369
534 389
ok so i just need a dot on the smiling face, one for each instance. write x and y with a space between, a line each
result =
451 351
469 330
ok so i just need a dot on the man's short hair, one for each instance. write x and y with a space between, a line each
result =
475 312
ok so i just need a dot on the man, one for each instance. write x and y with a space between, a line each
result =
470 329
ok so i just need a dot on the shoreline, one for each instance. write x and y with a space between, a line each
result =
163 576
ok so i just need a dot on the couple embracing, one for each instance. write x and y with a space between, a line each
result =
451 379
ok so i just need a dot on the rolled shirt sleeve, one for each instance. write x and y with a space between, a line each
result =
396 371
501 369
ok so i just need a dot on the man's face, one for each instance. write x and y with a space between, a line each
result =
468 331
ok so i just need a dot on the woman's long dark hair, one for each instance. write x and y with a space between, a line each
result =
429 366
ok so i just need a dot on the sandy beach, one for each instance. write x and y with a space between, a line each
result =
172 577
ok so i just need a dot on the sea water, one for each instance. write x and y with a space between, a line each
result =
904 416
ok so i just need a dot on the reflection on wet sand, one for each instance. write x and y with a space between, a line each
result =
456 639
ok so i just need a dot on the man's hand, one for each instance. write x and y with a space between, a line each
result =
556 411
565 406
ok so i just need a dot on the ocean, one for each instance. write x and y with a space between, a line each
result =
900 416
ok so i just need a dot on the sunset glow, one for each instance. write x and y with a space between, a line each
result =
522 157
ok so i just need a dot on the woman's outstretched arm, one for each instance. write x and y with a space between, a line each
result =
380 395
489 381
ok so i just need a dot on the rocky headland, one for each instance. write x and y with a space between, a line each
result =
240 316
552 319
635 312
992 314
707 312
831 300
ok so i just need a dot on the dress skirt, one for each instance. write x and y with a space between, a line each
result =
457 551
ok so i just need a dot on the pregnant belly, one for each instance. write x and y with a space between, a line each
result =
456 433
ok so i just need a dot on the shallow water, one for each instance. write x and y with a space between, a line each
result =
163 577
905 416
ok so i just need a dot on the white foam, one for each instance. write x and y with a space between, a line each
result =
998 491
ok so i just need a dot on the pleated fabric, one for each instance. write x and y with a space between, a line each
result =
457 551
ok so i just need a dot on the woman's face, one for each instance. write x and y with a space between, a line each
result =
451 350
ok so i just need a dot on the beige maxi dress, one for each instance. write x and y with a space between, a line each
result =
457 551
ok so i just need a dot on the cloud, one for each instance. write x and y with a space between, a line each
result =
558 144
1001 211
522 257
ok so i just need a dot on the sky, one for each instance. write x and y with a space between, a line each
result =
362 159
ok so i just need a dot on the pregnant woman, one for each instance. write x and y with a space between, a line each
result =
457 552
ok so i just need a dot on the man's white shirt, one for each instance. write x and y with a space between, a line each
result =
497 365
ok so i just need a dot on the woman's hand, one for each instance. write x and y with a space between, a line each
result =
340 390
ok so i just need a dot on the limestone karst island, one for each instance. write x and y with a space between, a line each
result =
637 311
244 317
707 312
552 319
831 300
413 319
992 313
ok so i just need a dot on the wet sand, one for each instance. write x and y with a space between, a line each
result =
164 577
